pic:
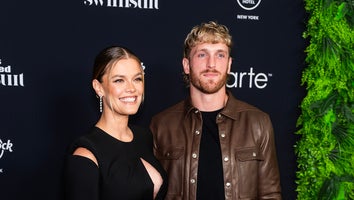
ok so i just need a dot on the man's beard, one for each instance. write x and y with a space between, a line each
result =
210 86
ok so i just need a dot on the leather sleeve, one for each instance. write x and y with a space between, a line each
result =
269 180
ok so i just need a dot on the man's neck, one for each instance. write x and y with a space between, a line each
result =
208 102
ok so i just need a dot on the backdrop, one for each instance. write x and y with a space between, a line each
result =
47 50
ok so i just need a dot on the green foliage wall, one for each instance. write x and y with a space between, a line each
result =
325 151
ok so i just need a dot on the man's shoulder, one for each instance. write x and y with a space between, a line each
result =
173 110
236 107
240 105
243 106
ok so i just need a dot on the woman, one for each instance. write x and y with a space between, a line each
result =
115 160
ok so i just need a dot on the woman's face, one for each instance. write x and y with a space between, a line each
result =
123 87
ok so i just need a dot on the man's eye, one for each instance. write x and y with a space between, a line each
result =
201 55
221 55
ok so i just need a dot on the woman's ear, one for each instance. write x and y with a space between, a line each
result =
97 86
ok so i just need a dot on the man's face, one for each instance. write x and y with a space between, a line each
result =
208 67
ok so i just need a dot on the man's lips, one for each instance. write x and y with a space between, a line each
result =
210 73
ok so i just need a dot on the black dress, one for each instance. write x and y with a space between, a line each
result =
120 174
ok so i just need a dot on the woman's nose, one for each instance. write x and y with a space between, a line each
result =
130 87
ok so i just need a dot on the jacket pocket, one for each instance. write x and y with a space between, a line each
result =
248 160
172 160
169 153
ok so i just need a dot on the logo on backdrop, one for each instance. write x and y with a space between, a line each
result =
138 4
5 147
7 78
248 5
249 79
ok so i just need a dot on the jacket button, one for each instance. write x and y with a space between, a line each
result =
228 184
192 180
222 135
226 159
197 132
194 155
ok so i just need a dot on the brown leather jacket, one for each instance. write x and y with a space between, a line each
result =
247 144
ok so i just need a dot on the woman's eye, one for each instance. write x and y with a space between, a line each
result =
139 79
119 81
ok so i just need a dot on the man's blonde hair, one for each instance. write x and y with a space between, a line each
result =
210 32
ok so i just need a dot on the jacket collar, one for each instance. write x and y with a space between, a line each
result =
231 109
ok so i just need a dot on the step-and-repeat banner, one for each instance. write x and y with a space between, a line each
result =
47 50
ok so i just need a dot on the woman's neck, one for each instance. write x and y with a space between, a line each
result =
116 126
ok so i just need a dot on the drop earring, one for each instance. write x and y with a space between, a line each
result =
101 104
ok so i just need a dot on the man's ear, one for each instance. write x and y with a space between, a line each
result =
97 86
185 63
229 67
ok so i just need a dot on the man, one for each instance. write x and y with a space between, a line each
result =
212 145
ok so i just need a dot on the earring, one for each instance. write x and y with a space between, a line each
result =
101 104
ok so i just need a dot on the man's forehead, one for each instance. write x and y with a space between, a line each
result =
210 47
